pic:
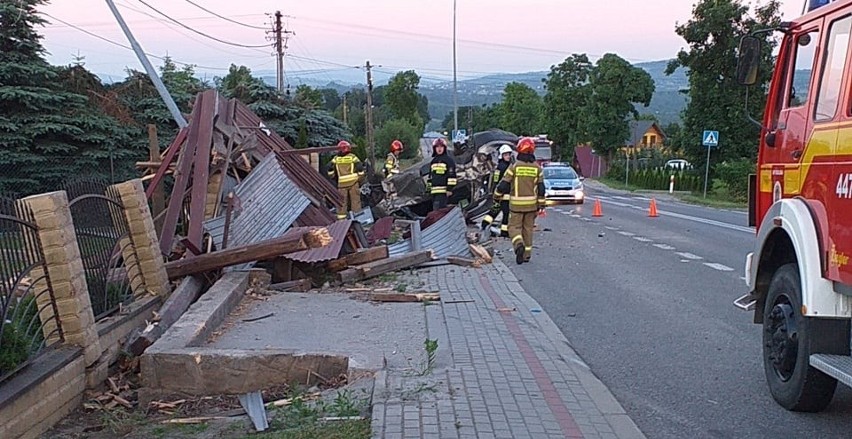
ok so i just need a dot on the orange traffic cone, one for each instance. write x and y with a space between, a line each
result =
597 211
652 210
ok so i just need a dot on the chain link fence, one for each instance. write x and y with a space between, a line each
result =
46 174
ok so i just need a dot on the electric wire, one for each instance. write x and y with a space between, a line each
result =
229 43
223 17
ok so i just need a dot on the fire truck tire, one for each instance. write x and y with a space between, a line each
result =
794 384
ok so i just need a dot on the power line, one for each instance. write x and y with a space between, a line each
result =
199 32
123 46
222 17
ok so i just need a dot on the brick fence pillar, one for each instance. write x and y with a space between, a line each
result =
152 269
65 270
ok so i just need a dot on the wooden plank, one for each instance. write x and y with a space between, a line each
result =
380 267
362 256
177 303
201 173
300 285
463 262
403 297
270 248
181 176
172 150
481 253
158 197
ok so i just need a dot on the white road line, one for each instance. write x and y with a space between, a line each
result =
617 197
626 233
742 278
574 215
586 219
689 256
642 239
687 217
719 267
664 246
611 228
564 212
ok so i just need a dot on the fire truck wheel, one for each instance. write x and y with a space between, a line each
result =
794 384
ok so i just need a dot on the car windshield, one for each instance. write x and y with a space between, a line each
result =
559 173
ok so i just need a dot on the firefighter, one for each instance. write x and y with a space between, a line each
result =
348 170
442 174
503 206
392 162
525 183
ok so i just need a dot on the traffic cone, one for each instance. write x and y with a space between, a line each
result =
597 211
652 210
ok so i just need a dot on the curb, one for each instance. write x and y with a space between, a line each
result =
604 399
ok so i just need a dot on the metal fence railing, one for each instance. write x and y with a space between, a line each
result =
29 320
103 237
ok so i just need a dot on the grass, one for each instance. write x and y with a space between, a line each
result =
712 201
302 420
615 184
354 429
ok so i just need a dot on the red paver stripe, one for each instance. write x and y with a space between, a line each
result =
548 390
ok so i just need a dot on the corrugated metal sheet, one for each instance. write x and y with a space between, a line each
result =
298 169
446 237
338 232
268 204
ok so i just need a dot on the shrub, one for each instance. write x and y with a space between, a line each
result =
734 174
399 129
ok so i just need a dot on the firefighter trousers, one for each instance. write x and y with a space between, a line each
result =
502 207
351 197
439 201
521 225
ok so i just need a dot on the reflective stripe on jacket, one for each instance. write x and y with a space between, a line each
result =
348 169
525 182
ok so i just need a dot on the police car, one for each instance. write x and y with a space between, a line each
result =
562 184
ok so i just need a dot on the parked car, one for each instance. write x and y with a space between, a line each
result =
678 164
562 184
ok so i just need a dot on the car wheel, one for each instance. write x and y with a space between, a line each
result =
787 345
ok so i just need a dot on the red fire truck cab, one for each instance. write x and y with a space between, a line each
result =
799 275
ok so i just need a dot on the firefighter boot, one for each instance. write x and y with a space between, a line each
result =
519 253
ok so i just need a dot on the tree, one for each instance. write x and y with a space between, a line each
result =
568 92
402 98
615 86
474 118
521 110
330 99
48 133
308 97
716 101
397 129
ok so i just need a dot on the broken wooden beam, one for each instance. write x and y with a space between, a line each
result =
289 243
174 307
300 285
403 297
380 267
481 253
360 257
462 262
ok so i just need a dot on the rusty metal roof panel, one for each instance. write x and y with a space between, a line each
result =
267 203
338 232
297 168
446 237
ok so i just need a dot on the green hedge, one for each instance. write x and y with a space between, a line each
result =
658 179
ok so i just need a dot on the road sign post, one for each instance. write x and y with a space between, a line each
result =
710 139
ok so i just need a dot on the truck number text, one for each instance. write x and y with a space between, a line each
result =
844 186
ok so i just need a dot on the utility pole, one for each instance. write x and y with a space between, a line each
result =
345 112
455 85
369 113
149 69
281 37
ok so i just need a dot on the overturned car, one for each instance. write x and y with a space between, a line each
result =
405 194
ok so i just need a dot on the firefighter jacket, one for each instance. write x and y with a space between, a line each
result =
442 174
346 169
524 181
502 166
391 165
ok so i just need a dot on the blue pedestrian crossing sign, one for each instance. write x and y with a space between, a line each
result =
711 138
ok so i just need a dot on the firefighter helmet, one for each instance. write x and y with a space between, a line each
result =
505 149
526 145
396 145
344 147
439 142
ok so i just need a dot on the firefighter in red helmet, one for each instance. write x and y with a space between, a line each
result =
524 182
392 162
348 170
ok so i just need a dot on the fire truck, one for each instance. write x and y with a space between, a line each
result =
799 275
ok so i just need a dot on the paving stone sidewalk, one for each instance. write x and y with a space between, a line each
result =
502 370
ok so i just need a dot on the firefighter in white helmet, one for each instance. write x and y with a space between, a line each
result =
503 164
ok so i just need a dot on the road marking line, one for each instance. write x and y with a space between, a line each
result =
664 246
587 219
689 256
743 278
688 217
574 215
642 239
611 228
626 233
719 267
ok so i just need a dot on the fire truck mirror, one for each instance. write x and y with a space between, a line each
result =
748 61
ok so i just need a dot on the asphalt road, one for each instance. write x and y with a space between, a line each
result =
646 302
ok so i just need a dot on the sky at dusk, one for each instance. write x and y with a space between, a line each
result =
335 35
